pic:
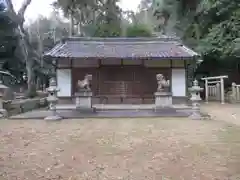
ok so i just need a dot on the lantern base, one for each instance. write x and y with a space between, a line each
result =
196 116
53 117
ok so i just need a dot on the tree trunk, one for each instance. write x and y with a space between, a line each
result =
71 25
25 42
30 73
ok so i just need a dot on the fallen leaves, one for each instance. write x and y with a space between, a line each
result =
100 149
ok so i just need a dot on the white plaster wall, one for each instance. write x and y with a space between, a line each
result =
64 82
179 82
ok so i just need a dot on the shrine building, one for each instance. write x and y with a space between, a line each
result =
123 69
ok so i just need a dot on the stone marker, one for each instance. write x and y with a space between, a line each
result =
195 98
52 100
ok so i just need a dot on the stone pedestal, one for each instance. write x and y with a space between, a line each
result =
52 99
84 101
163 99
196 114
3 112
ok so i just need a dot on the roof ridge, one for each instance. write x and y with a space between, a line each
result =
126 43
120 39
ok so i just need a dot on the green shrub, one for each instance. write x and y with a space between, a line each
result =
138 31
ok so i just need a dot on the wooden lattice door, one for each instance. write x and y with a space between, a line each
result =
116 81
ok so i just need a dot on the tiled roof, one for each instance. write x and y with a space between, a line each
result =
163 48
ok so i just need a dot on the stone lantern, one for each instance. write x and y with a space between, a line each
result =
195 98
52 100
3 112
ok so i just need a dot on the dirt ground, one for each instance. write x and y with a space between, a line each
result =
119 149
229 113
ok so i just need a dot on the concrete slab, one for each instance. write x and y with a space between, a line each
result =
102 107
74 114
69 111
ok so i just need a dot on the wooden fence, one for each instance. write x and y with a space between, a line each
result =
235 94
214 88
214 92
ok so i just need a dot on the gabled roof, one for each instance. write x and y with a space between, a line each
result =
82 47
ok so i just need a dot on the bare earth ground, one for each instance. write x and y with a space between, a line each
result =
119 149
229 113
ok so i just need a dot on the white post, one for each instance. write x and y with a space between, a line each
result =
237 93
218 92
222 91
234 92
206 90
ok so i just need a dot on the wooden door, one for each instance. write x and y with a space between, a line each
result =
117 81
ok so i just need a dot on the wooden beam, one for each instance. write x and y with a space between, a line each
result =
214 78
213 82
236 85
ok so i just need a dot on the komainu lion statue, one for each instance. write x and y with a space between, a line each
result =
85 83
162 82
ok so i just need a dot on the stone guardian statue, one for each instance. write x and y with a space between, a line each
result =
84 95
162 83
84 85
163 97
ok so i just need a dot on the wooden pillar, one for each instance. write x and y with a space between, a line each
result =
222 91
206 90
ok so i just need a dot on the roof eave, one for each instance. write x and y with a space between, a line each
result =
153 58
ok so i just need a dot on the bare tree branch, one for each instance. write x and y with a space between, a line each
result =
22 10
10 5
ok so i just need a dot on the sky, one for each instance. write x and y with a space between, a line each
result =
43 7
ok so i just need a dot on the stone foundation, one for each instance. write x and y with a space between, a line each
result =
163 99
84 101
